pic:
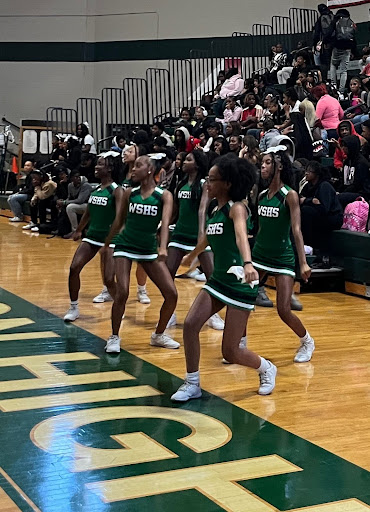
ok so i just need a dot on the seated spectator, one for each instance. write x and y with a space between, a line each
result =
141 137
119 143
184 141
22 193
159 144
85 140
221 77
235 144
232 128
278 62
289 74
344 129
321 211
58 149
43 191
299 86
202 122
366 136
167 171
250 150
214 130
178 174
356 173
232 112
328 110
252 112
307 109
63 225
220 146
291 104
270 133
232 87
358 99
159 131
76 203
87 167
74 152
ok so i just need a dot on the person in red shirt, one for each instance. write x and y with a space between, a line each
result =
252 112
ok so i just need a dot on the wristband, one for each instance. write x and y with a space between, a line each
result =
247 263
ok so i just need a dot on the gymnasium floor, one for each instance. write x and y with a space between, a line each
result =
84 431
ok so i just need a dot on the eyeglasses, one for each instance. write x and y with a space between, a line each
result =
211 180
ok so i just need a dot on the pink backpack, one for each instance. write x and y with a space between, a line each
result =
356 215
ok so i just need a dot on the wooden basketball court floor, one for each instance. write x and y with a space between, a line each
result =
81 430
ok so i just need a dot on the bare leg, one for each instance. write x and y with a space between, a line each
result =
174 258
141 275
235 322
85 252
107 266
284 289
122 268
161 277
206 261
202 309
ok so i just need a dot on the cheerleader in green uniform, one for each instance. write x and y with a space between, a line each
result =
99 215
278 213
190 205
144 208
230 180
128 158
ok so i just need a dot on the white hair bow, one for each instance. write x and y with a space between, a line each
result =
86 124
157 156
275 149
109 153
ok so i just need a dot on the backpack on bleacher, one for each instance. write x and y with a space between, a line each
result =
356 215
345 29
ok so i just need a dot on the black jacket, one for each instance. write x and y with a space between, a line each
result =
325 193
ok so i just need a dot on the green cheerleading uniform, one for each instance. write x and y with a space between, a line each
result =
138 240
273 251
126 183
102 211
185 234
221 285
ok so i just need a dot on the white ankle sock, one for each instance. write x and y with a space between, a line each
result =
306 337
74 302
193 378
141 288
265 365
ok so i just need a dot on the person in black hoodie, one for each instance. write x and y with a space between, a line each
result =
321 211
344 43
356 173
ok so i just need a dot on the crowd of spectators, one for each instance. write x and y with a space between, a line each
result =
292 103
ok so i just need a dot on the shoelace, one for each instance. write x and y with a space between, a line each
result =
264 378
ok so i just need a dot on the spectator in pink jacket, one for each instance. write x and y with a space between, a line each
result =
232 112
233 86
328 110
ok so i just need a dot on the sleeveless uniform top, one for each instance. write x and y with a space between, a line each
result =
185 234
273 249
138 240
221 285
102 210
126 183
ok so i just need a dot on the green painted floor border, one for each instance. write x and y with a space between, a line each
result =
45 478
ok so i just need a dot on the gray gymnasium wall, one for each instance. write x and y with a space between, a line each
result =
29 86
